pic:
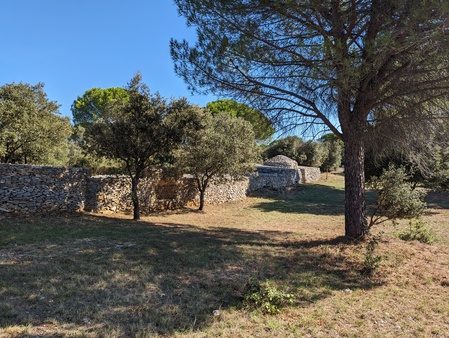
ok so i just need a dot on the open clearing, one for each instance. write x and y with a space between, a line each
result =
165 276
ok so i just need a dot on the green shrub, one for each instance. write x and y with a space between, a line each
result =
265 296
417 231
396 196
372 261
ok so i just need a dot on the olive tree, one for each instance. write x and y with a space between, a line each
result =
135 131
31 128
225 145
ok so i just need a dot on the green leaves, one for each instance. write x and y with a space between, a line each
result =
31 130
224 146
95 103
263 128
131 126
266 297
396 198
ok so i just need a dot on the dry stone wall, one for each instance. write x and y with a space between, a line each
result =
155 193
227 190
273 178
30 190
27 189
113 193
39 190
309 174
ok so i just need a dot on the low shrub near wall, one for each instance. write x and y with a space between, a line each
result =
28 189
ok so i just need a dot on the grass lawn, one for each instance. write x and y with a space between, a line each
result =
183 274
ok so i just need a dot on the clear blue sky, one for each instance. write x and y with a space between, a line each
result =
75 45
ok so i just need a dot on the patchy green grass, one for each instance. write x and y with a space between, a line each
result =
167 275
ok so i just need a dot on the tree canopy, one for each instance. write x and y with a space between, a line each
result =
138 131
95 103
334 156
31 128
425 155
352 67
263 128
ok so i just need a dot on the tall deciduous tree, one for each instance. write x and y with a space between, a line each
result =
31 128
225 145
352 65
263 128
134 131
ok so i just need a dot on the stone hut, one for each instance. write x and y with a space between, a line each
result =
276 173
306 174
281 161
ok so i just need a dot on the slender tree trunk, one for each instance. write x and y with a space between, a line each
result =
202 185
135 198
202 193
355 203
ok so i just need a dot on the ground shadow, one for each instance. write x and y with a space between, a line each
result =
131 278
437 199
314 199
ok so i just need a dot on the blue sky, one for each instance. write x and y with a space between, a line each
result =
73 46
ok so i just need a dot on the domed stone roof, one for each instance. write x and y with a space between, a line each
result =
281 161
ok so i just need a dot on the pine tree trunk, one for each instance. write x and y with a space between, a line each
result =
355 203
135 198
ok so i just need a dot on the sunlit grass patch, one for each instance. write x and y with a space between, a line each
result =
184 274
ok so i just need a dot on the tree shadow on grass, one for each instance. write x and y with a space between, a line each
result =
125 278
315 199
437 199
306 199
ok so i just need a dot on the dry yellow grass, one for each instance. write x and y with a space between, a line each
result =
105 276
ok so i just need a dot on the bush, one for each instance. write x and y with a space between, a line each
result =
396 197
417 231
372 261
265 296
314 154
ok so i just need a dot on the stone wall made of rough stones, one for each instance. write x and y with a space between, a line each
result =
38 190
155 193
305 174
114 193
226 190
309 174
273 178
28 189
